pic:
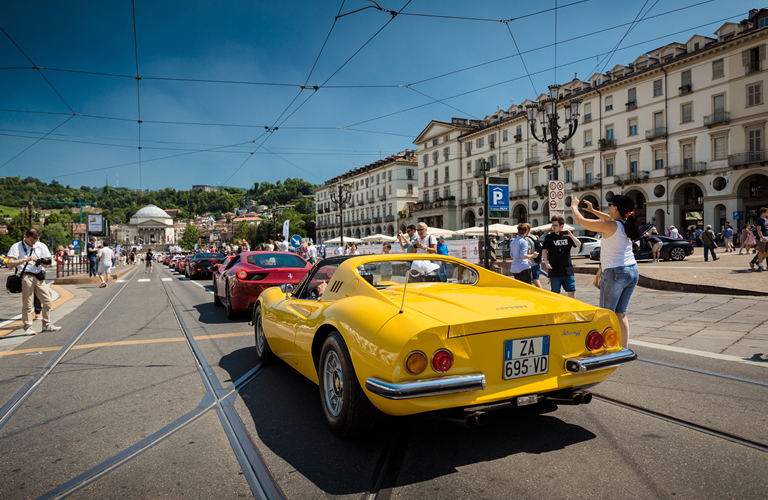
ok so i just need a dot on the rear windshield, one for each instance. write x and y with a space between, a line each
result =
394 272
209 256
272 260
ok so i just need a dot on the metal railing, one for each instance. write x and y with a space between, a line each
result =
606 144
389 218
698 167
383 197
716 118
468 201
656 133
77 264
520 193
747 158
532 161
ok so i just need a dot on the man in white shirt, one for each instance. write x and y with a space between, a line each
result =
105 263
312 252
424 242
24 256
339 250
283 244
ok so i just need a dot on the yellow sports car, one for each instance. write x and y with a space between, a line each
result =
414 333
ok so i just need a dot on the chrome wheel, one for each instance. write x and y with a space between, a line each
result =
677 254
260 341
333 384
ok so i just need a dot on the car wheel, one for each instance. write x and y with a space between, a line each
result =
262 346
216 299
347 410
677 254
230 313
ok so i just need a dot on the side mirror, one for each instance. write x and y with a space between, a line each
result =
287 289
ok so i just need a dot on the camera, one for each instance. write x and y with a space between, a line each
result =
44 262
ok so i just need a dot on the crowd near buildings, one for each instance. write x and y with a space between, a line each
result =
681 130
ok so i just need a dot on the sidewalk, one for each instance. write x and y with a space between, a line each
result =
81 279
731 270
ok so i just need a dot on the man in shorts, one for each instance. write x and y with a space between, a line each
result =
727 235
656 245
148 261
557 257
105 263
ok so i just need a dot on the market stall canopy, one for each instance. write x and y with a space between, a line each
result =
436 231
337 240
548 227
378 238
495 229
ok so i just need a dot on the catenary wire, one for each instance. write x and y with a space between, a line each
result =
38 140
607 58
521 59
335 20
441 102
138 82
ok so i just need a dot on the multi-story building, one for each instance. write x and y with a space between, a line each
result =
380 191
681 130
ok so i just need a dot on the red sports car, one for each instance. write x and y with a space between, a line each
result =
239 282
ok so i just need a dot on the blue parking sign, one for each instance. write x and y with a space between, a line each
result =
498 197
76 244
738 215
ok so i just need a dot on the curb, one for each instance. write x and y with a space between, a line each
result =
83 279
64 296
658 284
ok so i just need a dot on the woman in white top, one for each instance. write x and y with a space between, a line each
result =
424 242
617 258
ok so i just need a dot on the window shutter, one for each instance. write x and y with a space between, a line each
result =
744 57
632 94
762 52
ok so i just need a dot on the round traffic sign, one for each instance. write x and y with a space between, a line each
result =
553 185
560 185
553 194
295 241
552 204
559 195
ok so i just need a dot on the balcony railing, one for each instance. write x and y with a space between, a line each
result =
377 220
477 172
371 200
750 157
389 218
365 221
753 67
504 167
632 105
606 144
383 197
587 118
586 184
518 137
568 153
631 177
698 167
532 161
520 193
468 201
656 133
717 118
686 89
427 205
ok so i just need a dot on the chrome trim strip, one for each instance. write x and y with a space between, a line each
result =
427 387
591 363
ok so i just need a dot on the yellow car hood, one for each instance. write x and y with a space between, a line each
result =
470 309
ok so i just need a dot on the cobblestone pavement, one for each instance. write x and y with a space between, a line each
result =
731 325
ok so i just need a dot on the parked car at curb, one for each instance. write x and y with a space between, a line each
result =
419 333
672 249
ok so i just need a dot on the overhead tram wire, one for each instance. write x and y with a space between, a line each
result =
439 101
138 82
521 59
38 140
485 87
610 54
461 18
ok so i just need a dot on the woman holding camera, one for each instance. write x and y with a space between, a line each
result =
617 257
29 257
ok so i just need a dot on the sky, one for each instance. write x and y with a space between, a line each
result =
245 118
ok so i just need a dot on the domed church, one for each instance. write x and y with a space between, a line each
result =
151 225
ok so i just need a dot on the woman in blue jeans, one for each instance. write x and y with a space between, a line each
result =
617 258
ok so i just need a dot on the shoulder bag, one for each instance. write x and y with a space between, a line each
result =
599 277
13 282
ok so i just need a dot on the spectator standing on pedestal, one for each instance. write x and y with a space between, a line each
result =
92 253
556 257
709 242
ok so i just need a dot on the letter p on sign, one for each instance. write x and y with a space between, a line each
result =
498 197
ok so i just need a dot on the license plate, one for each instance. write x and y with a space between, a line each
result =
526 357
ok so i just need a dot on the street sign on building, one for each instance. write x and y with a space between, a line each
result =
498 197
556 196
738 215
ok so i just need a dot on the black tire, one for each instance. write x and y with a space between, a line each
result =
347 410
230 313
216 300
262 345
677 253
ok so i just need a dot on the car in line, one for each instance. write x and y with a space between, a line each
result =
413 334
202 264
672 249
587 245
239 283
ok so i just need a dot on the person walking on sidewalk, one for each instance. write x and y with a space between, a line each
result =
150 257
105 263
710 243
92 253
747 238
761 236
727 235
29 257
521 254
620 273
556 257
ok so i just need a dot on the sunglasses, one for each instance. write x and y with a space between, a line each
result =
610 204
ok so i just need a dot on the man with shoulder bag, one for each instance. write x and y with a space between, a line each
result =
29 257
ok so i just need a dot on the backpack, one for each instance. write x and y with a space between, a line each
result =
536 246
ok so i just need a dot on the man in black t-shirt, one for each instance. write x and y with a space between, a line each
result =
556 257
761 235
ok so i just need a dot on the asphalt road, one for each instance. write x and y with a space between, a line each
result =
132 374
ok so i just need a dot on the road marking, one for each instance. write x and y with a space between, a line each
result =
704 354
203 287
167 279
143 279
15 322
121 281
129 342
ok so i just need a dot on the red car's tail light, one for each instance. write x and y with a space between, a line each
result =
610 337
242 274
415 362
442 361
594 340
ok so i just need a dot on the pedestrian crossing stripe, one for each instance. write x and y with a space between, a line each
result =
143 279
121 281
167 279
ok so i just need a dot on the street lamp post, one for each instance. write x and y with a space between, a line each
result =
340 196
485 166
546 113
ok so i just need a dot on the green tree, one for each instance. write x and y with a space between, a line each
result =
55 234
5 243
190 237
18 226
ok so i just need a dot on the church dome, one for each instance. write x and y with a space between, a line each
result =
152 212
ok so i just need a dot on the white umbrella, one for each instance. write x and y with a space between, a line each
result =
347 239
378 238
492 229
436 231
548 227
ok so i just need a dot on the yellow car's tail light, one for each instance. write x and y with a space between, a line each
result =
416 362
610 337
